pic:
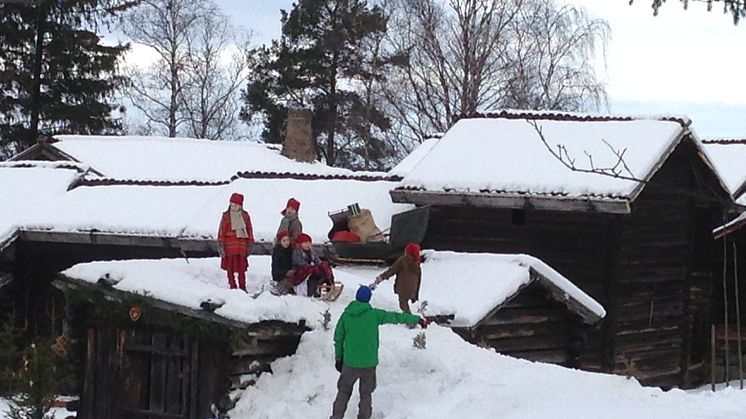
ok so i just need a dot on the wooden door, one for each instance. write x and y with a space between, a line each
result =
140 374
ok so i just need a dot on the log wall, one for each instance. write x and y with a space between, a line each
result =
533 326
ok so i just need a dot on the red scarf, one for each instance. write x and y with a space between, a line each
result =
413 249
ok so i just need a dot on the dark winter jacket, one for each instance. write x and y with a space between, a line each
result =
408 277
301 258
282 262
356 335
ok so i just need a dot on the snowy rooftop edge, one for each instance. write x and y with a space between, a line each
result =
494 279
495 154
509 113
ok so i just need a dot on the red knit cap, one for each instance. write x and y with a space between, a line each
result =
292 203
302 238
281 234
413 249
236 198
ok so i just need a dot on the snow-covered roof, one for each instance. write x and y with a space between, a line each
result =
183 159
189 283
408 163
194 211
729 157
493 280
28 188
503 155
471 285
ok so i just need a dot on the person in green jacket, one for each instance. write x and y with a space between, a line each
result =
356 350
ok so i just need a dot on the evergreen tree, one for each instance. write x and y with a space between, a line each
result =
322 61
55 74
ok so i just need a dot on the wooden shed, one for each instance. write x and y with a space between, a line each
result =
625 208
729 256
143 357
516 304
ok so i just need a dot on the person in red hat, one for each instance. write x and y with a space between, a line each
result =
290 221
235 238
308 270
408 276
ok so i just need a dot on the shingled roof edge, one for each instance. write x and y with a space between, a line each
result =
570 116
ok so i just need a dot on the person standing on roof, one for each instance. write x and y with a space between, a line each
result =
290 221
235 238
356 350
408 276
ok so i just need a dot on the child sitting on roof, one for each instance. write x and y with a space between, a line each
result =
282 263
309 270
408 276
290 221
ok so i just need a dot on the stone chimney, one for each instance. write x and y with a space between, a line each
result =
299 143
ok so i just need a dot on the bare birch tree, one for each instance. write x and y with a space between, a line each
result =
551 64
216 64
467 56
164 26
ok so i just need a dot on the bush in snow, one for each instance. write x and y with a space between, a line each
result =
38 384
10 357
630 367
422 308
420 341
326 319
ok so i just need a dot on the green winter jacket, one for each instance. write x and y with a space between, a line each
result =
356 335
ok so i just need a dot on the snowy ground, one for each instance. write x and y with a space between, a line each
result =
57 412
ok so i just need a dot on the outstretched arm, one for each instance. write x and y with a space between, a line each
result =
390 317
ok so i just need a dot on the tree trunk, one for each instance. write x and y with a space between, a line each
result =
174 97
35 106
330 146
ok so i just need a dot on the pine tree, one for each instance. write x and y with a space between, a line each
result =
55 74
10 357
39 376
322 61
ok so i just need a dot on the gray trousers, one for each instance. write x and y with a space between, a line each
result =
347 379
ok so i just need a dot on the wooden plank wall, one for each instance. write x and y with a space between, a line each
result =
141 373
663 281
532 326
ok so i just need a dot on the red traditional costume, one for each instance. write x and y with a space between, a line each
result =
235 238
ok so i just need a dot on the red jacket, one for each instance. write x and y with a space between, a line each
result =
235 246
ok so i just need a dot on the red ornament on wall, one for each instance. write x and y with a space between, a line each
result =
135 313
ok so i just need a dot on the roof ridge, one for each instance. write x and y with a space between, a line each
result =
44 164
572 116
724 140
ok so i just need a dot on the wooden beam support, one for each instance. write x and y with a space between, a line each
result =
513 201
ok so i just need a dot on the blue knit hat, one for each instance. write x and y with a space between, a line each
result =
363 294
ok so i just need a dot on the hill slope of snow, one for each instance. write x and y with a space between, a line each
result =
451 378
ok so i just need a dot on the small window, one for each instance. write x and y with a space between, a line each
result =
518 217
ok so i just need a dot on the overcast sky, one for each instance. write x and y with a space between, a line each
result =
680 62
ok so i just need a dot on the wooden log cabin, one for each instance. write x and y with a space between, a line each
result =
143 357
623 206
515 304
729 256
